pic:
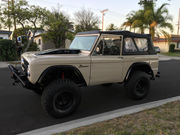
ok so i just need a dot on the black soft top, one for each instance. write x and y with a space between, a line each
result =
124 33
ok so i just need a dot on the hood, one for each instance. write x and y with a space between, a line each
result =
52 55
58 51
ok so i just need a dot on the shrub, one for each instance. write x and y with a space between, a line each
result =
7 50
33 47
171 47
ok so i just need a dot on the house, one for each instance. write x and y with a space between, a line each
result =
163 42
44 45
5 34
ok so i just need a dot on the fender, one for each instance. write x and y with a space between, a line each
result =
63 68
142 66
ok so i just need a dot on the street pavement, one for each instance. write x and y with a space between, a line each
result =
21 111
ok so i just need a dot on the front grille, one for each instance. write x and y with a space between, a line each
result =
25 65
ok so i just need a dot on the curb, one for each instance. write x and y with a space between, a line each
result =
98 118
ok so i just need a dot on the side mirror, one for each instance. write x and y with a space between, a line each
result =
97 50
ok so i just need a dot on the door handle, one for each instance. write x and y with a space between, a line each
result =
83 66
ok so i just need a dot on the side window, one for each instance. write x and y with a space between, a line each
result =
108 46
129 45
142 44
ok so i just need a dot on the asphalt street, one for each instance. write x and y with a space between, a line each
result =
20 109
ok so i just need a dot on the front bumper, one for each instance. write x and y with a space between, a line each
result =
19 77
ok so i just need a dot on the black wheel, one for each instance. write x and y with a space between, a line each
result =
60 98
38 91
138 85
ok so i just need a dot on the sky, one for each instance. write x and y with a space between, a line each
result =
118 9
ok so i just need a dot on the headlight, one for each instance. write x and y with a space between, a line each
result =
22 61
28 71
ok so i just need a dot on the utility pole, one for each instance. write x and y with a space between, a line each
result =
178 23
103 13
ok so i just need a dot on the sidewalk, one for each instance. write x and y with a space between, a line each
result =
5 64
166 58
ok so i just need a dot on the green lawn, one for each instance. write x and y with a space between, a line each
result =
177 54
163 120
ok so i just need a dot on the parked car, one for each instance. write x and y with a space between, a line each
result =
157 49
94 58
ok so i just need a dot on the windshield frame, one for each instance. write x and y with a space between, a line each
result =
87 35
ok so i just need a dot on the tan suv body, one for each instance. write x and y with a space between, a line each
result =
93 58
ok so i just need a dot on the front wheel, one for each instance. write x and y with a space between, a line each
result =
138 85
60 98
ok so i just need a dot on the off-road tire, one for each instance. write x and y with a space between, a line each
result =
53 94
38 91
138 85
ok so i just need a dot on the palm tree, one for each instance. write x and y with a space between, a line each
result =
139 21
129 21
156 20
111 27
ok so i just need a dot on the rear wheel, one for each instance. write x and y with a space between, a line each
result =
61 98
38 91
138 85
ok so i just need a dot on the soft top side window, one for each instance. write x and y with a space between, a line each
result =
142 44
129 45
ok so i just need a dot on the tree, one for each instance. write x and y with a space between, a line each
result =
158 20
21 15
155 19
85 20
36 16
12 11
6 18
138 21
58 28
0 17
129 20
111 27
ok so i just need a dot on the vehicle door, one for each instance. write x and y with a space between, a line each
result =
106 62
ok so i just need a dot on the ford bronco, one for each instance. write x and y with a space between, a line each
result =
93 58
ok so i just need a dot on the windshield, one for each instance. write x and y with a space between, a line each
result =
83 42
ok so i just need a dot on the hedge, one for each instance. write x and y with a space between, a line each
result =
7 50
171 47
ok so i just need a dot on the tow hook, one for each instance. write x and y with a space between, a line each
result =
158 74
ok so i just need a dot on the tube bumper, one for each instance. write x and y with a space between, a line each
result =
19 77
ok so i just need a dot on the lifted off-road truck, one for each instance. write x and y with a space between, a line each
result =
94 58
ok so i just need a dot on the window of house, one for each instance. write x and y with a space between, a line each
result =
178 45
39 42
1 37
129 45
142 44
108 46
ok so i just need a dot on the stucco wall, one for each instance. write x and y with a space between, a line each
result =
43 45
4 36
164 46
